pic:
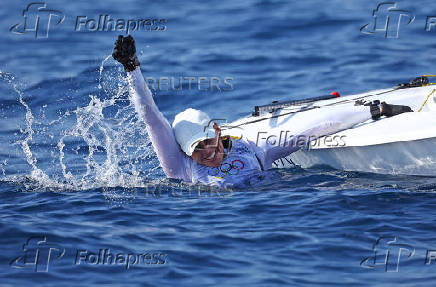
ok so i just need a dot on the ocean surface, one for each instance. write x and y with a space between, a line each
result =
83 201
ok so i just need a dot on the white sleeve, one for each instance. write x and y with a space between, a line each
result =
174 162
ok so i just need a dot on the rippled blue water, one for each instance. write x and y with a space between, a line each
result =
78 175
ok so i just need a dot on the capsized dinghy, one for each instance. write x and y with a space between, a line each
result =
403 144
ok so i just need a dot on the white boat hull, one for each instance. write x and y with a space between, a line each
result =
409 157
404 144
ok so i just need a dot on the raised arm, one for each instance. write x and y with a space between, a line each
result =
172 159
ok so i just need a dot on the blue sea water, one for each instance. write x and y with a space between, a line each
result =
83 200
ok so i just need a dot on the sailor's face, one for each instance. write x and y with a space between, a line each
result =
210 152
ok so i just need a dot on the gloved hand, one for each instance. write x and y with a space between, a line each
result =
125 53
393 110
375 110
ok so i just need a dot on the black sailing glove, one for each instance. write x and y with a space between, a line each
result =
125 52
374 108
384 109
393 110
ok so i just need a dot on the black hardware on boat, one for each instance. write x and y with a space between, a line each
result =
275 105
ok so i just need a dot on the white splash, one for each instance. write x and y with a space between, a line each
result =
102 144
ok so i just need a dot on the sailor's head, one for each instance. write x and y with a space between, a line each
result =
199 137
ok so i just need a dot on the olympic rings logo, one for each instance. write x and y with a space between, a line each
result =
227 169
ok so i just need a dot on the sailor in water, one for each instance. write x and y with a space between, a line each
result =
193 151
